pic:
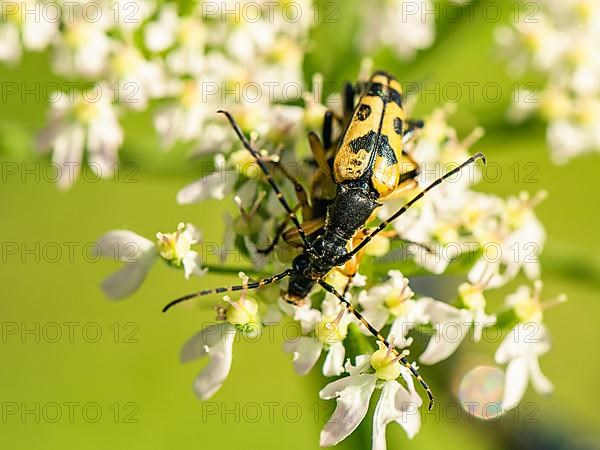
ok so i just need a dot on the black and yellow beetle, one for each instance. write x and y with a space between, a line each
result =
369 165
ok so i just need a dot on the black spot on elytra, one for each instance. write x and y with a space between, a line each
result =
398 125
369 141
386 93
363 112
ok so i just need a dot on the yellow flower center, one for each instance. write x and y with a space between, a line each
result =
243 162
331 332
397 301
383 361
190 94
173 246
86 112
555 105
243 312
528 309
472 296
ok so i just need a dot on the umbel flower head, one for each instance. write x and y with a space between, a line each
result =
139 254
448 230
559 46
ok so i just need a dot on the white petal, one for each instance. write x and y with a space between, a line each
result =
306 351
334 361
440 347
525 339
540 382
352 406
384 414
10 46
399 329
451 324
333 389
372 298
216 185
123 245
193 234
125 281
216 341
307 317
515 383
68 152
395 404
200 343
376 316
363 363
192 264
480 321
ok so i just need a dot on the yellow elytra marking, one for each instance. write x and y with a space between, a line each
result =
373 140
395 85
351 163
380 78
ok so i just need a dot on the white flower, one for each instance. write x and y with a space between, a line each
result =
403 25
512 243
527 306
393 298
84 121
184 37
354 392
182 119
215 185
329 328
159 34
216 341
138 254
23 25
82 48
520 350
452 324
135 79
175 248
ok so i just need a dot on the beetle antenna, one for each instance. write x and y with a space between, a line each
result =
402 210
267 174
219 290
400 356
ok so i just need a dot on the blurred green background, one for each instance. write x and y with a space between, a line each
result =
132 376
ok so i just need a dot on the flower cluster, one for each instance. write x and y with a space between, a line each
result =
183 63
559 42
404 26
488 240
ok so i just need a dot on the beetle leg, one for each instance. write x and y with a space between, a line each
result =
412 127
301 194
348 95
278 233
327 131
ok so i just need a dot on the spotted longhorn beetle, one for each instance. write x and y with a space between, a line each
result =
368 166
